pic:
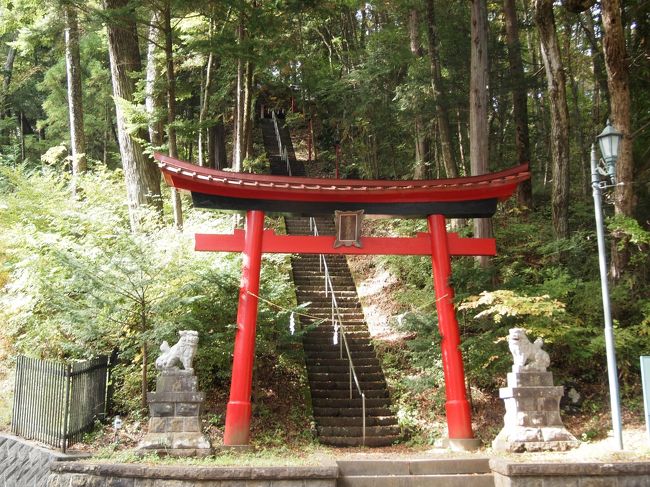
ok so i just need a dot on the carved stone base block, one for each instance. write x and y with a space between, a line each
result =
532 421
174 416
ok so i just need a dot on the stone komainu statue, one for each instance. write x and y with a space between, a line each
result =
527 356
183 351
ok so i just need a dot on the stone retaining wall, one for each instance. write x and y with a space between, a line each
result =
587 474
75 474
25 464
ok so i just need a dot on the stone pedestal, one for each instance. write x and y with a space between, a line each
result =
174 416
532 421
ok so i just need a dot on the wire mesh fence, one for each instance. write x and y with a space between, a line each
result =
57 403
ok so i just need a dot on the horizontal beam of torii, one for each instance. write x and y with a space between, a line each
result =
466 197
324 244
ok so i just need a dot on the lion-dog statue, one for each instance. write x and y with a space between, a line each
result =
182 352
527 356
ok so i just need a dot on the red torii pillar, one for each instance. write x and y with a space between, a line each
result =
238 412
439 244
459 417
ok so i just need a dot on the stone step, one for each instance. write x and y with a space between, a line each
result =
342 413
325 332
326 336
442 466
349 441
318 293
343 305
310 295
357 346
328 369
320 361
344 376
356 354
463 480
313 277
349 421
325 343
366 385
351 332
357 431
324 311
340 403
352 321
345 393
315 268
317 263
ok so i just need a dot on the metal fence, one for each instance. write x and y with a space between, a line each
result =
57 403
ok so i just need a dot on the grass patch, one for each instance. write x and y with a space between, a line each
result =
269 457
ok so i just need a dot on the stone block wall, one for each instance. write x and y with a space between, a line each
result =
579 474
25 464
74 474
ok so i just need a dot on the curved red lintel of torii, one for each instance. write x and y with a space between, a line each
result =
283 191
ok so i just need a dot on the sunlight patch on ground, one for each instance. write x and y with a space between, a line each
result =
6 397
374 291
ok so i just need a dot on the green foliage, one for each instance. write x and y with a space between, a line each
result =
499 311
80 283
541 288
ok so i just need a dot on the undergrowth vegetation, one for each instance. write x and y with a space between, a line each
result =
550 288
78 283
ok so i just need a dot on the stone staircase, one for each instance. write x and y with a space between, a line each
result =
460 472
278 166
337 412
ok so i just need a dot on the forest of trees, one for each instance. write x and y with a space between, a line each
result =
406 88
431 89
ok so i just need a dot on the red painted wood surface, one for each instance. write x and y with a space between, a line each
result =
238 411
307 244
186 176
459 418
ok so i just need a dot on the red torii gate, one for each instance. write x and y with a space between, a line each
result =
468 197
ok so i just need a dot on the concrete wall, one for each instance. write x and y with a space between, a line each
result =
23 463
74 474
583 474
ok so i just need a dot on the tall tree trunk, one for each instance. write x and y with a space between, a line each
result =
559 139
436 84
238 132
616 61
4 94
478 109
75 103
217 157
203 113
171 108
153 100
519 99
141 175
247 117
583 146
419 127
7 71
600 75
144 385
21 135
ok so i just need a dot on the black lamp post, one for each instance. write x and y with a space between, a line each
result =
609 141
